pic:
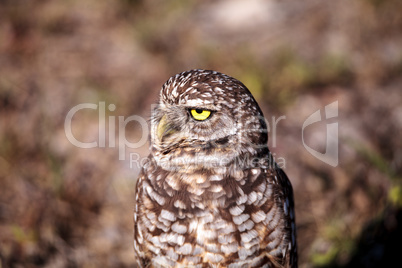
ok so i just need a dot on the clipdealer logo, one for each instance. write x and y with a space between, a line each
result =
331 149
330 156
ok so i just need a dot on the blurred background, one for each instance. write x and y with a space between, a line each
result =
64 206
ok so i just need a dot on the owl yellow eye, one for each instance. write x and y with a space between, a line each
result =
199 114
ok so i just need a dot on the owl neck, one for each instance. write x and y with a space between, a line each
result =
185 161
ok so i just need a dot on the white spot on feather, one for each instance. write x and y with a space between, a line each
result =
258 216
236 210
241 218
179 228
185 249
168 215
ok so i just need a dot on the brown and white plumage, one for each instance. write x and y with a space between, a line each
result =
210 194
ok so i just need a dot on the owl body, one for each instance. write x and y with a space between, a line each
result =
210 194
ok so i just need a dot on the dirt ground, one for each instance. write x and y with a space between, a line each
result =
66 206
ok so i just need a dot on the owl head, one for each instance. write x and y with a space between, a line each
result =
204 117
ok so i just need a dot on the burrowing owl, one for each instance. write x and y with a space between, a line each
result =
210 194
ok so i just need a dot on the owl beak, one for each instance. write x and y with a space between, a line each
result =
164 128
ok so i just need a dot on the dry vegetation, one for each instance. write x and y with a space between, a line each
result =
63 206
